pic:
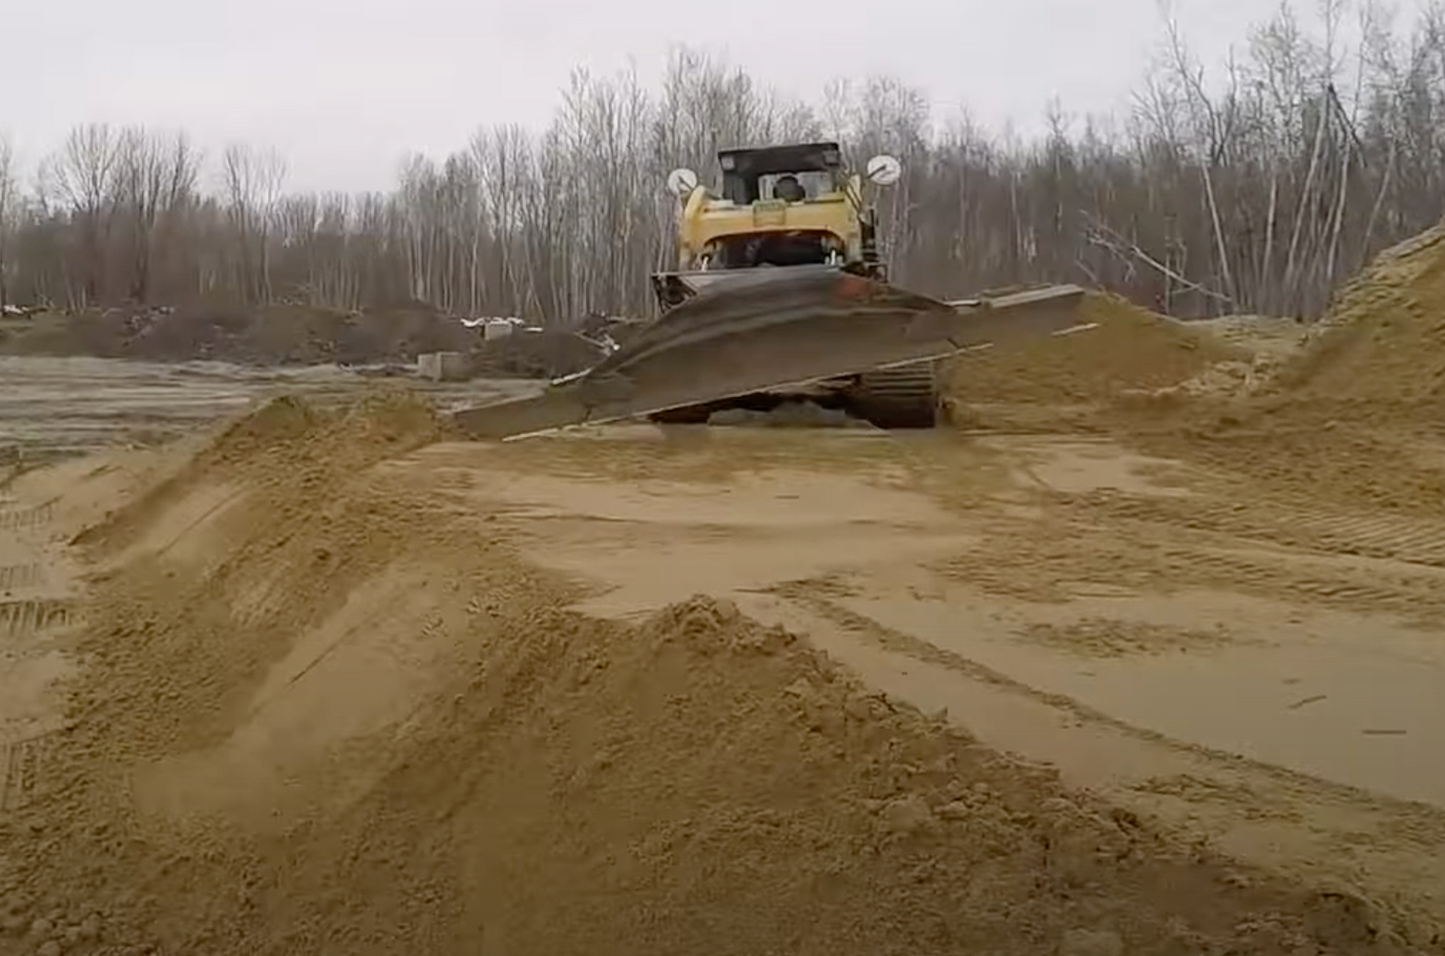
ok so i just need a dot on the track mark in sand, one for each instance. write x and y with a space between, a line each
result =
1116 637
1409 539
21 519
1052 569
21 778
908 645
1416 599
820 601
29 617
1416 540
19 576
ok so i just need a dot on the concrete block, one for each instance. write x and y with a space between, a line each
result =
443 366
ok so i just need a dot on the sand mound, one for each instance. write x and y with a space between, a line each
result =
328 712
1352 416
1381 349
1132 349
288 437
289 450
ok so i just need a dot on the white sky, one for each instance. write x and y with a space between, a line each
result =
344 88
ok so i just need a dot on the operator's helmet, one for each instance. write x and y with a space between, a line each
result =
788 189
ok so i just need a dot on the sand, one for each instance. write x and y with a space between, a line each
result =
1132 349
318 711
1380 351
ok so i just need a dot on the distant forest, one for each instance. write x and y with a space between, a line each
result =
1254 186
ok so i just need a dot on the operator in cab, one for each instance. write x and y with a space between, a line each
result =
788 189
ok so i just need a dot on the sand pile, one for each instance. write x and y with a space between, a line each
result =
325 708
271 335
1381 349
1351 417
293 451
1133 349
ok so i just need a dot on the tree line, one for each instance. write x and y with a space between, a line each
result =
1256 186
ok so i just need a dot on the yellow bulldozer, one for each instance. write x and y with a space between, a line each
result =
780 295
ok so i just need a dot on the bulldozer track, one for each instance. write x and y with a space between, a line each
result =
29 617
1407 539
901 397
25 518
21 770
1410 539
19 576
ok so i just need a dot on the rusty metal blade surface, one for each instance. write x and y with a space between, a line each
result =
770 332
748 302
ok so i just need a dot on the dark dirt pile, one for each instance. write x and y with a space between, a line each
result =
1132 349
322 711
545 353
271 335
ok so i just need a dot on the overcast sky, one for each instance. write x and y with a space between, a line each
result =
344 88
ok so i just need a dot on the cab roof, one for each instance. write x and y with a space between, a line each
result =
790 158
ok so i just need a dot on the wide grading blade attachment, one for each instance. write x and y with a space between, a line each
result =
765 329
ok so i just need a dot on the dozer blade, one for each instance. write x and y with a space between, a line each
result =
766 329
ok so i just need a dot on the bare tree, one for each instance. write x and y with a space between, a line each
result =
252 181
155 179
83 174
1257 183
9 214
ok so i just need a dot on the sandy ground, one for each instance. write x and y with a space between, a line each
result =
1222 681
211 646
60 406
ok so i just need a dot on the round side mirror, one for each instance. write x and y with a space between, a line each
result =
681 182
883 170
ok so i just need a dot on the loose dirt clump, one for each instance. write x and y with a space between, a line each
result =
1272 336
789 414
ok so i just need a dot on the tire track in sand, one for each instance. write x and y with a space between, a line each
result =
24 618
22 763
24 519
1409 539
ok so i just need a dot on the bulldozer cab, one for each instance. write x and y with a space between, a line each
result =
749 175
777 206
